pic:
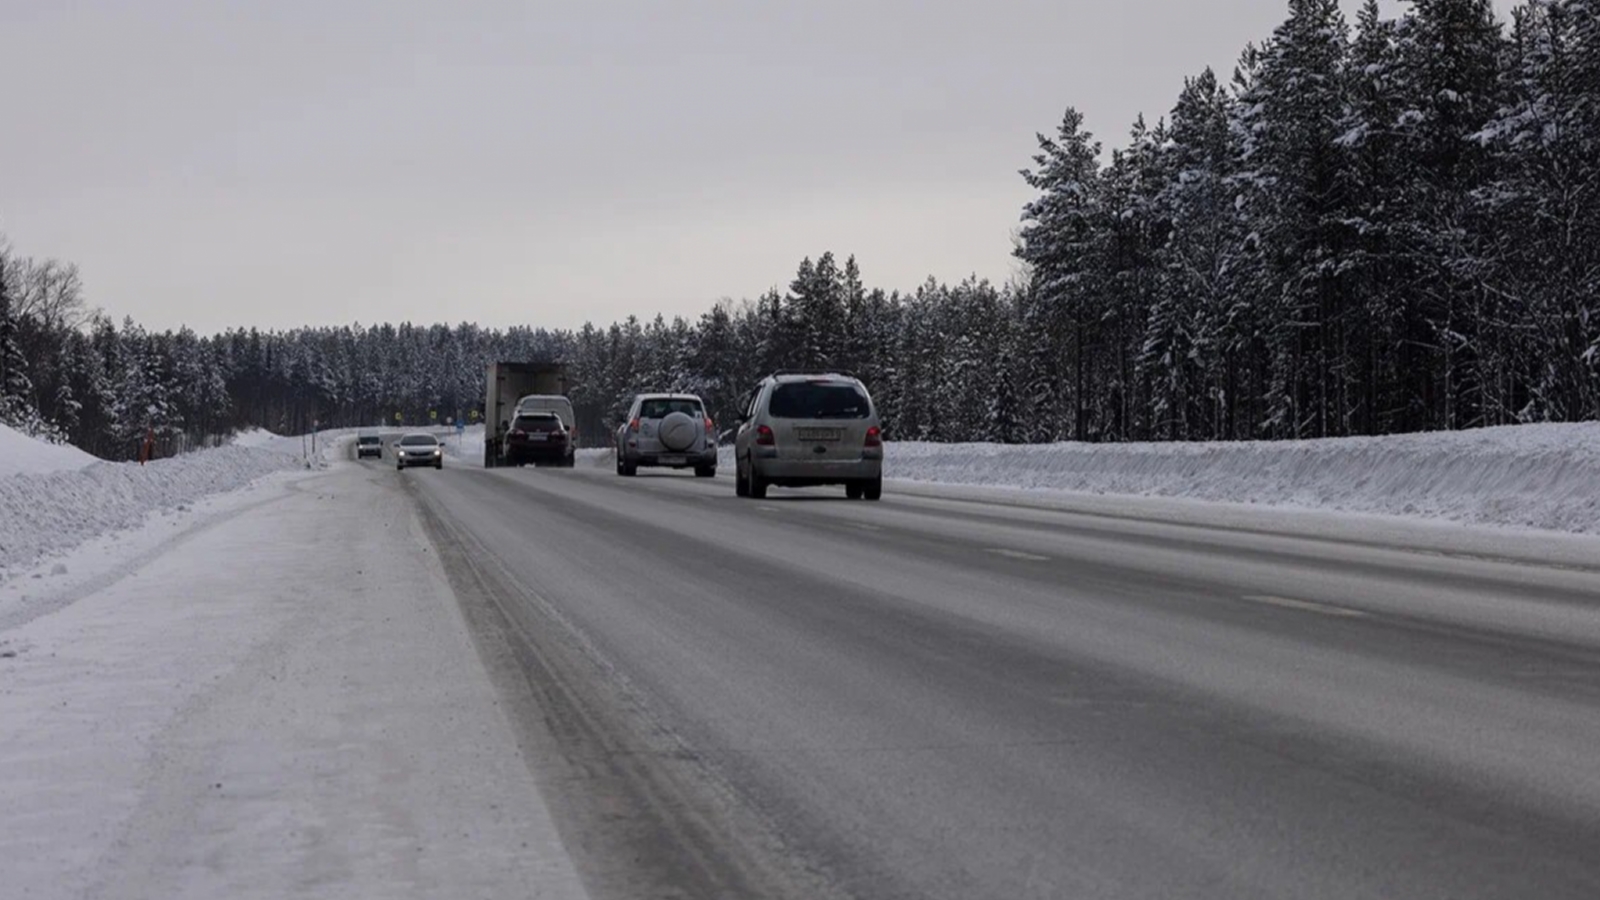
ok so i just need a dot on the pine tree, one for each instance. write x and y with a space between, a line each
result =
1376 176
1544 209
16 390
1290 118
1450 51
1058 243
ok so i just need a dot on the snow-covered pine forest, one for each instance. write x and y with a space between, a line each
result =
1368 227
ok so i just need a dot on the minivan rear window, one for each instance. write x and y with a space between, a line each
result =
661 408
811 400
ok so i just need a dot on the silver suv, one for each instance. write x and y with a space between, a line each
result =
670 430
800 430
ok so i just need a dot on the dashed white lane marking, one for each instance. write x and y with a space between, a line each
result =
863 526
1017 554
1306 606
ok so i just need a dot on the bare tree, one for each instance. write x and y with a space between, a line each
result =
50 292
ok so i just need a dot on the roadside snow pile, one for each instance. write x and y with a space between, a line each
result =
324 441
46 514
1535 476
257 438
467 446
23 455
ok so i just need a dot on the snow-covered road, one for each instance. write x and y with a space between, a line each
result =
283 703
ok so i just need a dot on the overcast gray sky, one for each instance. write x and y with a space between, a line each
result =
319 162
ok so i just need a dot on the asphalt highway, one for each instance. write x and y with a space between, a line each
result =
929 697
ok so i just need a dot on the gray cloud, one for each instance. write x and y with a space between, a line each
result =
284 163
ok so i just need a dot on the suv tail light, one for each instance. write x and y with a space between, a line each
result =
711 427
765 437
874 437
634 425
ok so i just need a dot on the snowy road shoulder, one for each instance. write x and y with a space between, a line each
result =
284 703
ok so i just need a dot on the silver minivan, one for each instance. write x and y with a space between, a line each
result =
803 430
668 430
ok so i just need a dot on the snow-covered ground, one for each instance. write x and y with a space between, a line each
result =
48 515
1529 476
281 700
23 455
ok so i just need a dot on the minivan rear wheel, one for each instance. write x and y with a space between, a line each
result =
741 487
758 485
854 490
873 490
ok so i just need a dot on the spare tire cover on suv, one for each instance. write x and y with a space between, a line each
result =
677 432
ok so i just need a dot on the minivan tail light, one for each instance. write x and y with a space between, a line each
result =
765 437
874 437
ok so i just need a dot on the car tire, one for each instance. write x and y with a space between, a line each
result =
741 488
619 464
758 485
439 465
854 490
873 490
629 470
705 471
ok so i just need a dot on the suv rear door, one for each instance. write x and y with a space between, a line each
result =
653 411
820 419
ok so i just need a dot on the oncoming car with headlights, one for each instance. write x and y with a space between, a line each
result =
418 449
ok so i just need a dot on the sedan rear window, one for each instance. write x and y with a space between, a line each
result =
418 440
812 400
661 408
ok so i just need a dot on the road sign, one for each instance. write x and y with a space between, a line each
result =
474 415
397 417
433 414
461 427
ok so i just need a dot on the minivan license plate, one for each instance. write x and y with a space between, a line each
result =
818 434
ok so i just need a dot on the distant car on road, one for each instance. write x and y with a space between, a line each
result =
808 429
418 449
369 443
667 430
539 437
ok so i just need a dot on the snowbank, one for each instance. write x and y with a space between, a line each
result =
46 514
1533 476
256 438
466 447
23 455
